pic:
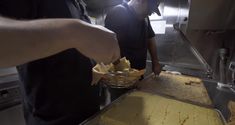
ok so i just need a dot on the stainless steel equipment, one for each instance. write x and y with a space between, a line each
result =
212 15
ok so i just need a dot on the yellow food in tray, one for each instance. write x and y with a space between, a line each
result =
141 108
182 87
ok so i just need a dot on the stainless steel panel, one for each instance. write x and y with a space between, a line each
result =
212 14
12 116
7 71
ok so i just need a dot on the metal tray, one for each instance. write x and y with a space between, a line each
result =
94 120
221 116
119 86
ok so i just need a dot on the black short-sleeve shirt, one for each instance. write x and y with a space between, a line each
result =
56 89
132 33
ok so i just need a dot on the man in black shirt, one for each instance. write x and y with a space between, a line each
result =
135 35
56 89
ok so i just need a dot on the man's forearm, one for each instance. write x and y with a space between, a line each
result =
24 41
153 49
156 67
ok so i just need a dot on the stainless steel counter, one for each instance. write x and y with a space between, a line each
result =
12 116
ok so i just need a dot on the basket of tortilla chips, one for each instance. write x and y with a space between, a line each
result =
120 75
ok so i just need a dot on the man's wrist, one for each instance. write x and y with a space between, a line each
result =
155 61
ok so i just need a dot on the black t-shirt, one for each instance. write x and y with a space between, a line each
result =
132 33
56 89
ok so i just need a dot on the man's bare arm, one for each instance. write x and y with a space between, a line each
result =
152 47
24 41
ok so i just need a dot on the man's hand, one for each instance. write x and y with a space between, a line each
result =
156 67
99 43
107 47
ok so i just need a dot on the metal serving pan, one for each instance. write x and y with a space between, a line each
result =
94 120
